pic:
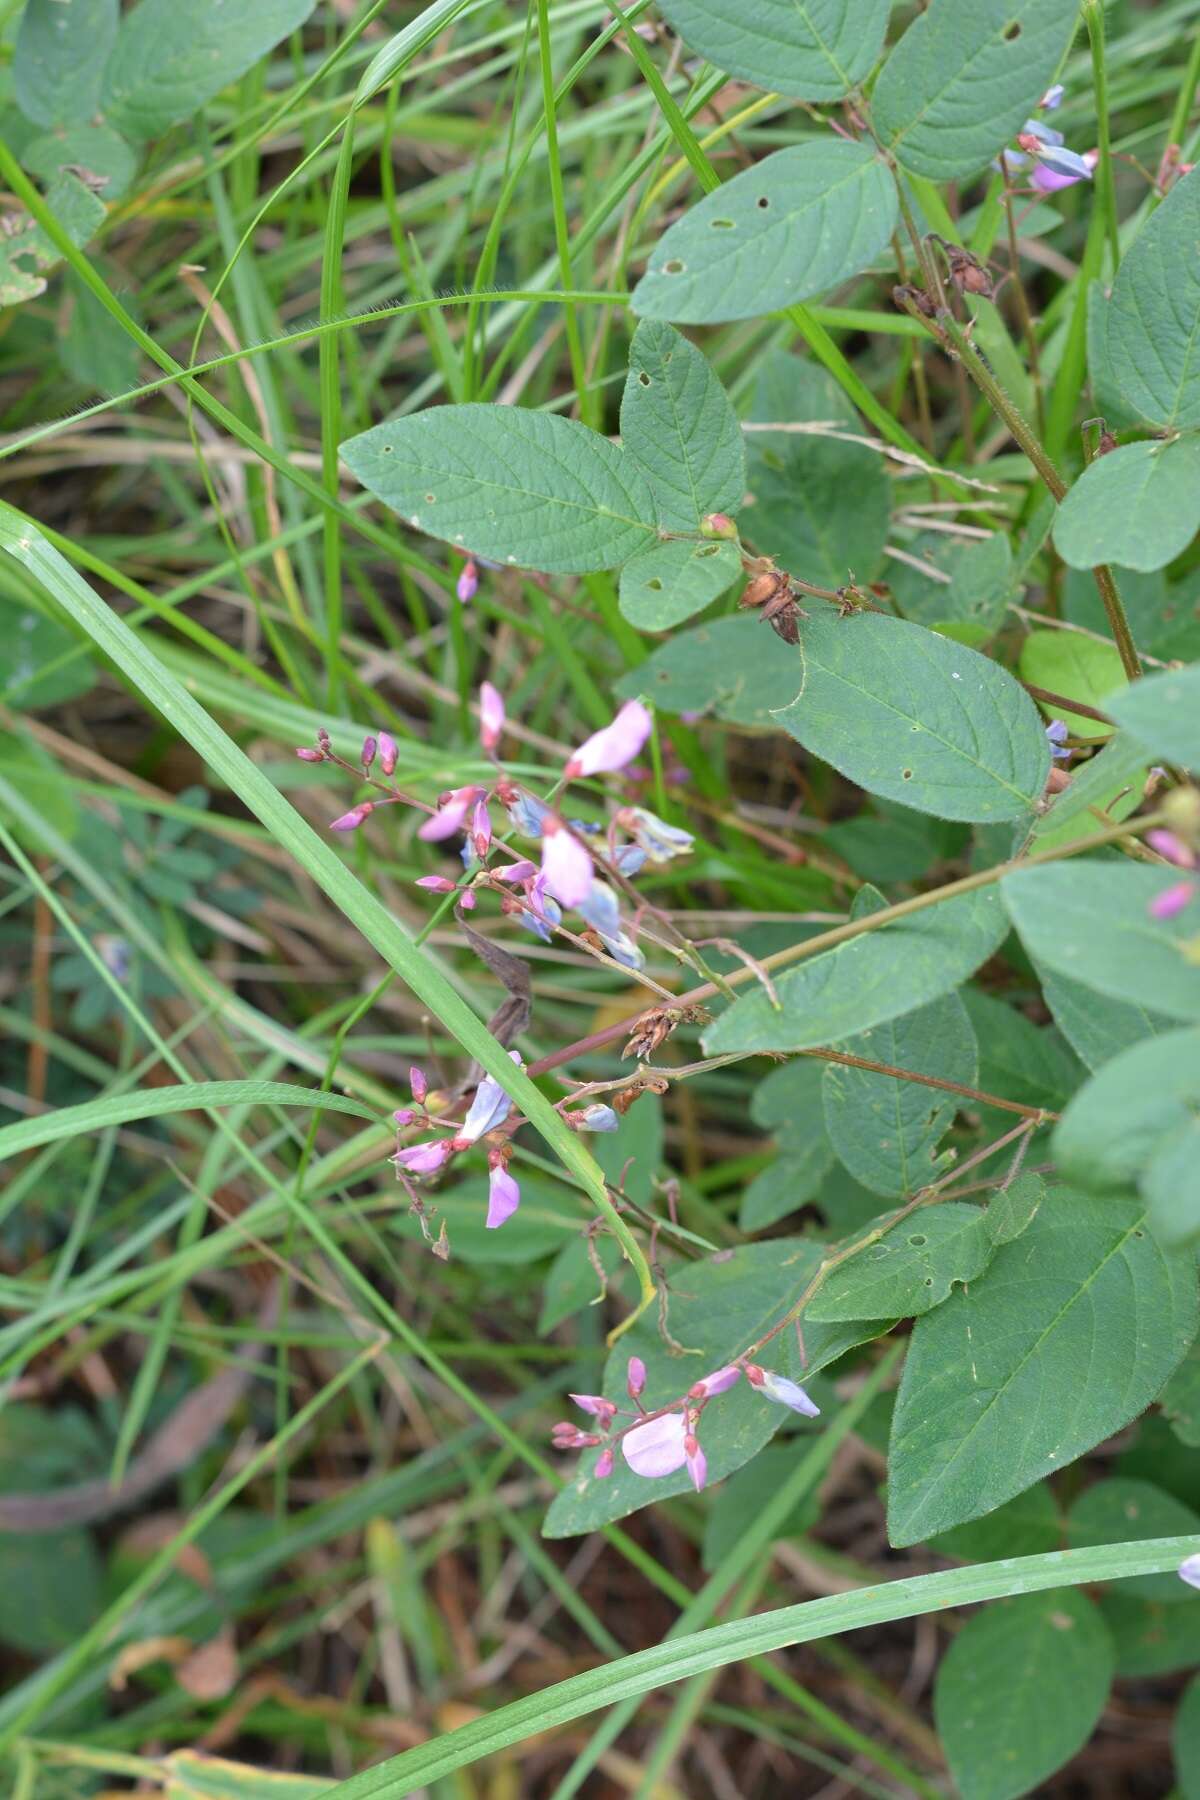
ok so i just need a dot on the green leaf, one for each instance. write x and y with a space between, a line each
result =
717 1308
1021 1527
40 781
51 1589
1013 1379
977 586
1185 1741
1089 920
1020 1690
869 979
1163 713
1152 345
1152 1639
788 1103
33 643
1013 1209
669 582
96 148
745 1494
734 668
910 1270
792 227
59 57
1114 1511
1180 1400
1137 507
1096 1026
1076 667
909 715
1163 619
964 76
571 1283
520 487
679 426
1018 1060
1137 1125
810 49
694 1653
172 56
1111 782
94 348
886 1131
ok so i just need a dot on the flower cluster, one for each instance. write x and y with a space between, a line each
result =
660 1443
1054 166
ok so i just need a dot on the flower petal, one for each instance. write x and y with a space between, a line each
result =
656 1448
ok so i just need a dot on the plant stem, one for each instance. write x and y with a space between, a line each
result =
561 234
1094 14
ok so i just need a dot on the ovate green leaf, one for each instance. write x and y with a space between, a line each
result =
1152 345
910 715
1138 507
1163 616
172 56
1120 1510
791 227
788 1104
526 488
734 668
1111 782
887 1131
671 581
96 148
971 584
1096 1026
1163 713
58 61
1012 1209
678 424
1078 668
1068 1336
867 980
963 77
910 1270
1137 1125
1090 921
1020 1690
811 49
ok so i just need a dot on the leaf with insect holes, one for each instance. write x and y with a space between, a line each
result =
908 714
1069 1334
869 979
1163 713
1137 507
59 57
718 1307
96 148
1153 349
809 49
1090 921
1020 1690
1137 1125
525 488
886 1131
1078 668
669 582
793 226
172 56
910 1270
679 426
961 80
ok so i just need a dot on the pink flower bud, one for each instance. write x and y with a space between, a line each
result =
388 753
754 1375
597 1405
491 716
467 903
1173 848
310 755
617 744
716 1383
1171 902
635 1379
468 582
370 746
437 884
481 829
404 1115
718 525
604 1465
350 821
697 1462
418 1081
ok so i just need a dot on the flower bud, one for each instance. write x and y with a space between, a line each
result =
389 755
350 821
306 755
636 1377
370 746
467 585
419 1083
604 1465
1182 810
718 525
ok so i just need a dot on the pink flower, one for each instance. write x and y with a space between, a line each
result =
310 755
781 1390
1058 168
350 821
608 750
504 1196
1171 902
515 871
388 753
490 1107
716 1383
697 1462
635 1377
566 865
596 1404
481 829
450 815
491 716
1173 848
424 1159
418 1081
370 746
604 1465
657 1447
468 582
437 884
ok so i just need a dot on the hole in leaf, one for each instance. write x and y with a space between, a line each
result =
644 379
429 499
917 1241
929 1281
387 449
674 267
906 774
710 549
722 225
762 202
655 584
1012 32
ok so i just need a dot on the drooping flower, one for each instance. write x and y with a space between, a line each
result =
527 814
566 865
653 835
598 1118
1058 168
504 1195
425 1159
1056 737
491 716
350 821
657 1447
523 870
490 1107
601 911
719 1382
1052 98
467 585
1171 902
628 859
781 1390
450 815
697 1462
613 747
542 913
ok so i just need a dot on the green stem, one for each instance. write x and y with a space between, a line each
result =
1094 13
561 234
